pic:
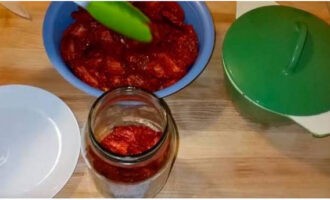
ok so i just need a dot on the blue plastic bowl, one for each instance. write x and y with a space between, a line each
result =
58 18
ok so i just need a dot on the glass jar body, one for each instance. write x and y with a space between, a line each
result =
140 176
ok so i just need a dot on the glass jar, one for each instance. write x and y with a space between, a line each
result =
129 175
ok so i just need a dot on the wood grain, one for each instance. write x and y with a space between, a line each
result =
221 154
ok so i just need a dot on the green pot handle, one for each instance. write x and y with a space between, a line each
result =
299 47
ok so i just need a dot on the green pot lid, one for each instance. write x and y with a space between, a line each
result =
278 57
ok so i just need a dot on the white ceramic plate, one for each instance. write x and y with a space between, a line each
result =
39 142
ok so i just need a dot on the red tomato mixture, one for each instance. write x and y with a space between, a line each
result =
130 140
126 141
107 60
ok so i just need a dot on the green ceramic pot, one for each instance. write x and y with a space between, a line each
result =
276 59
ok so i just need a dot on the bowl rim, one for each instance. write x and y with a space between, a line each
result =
202 59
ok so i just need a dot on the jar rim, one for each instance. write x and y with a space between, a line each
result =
136 157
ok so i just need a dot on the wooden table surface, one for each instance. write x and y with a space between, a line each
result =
221 154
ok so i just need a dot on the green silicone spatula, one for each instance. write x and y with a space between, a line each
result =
121 17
